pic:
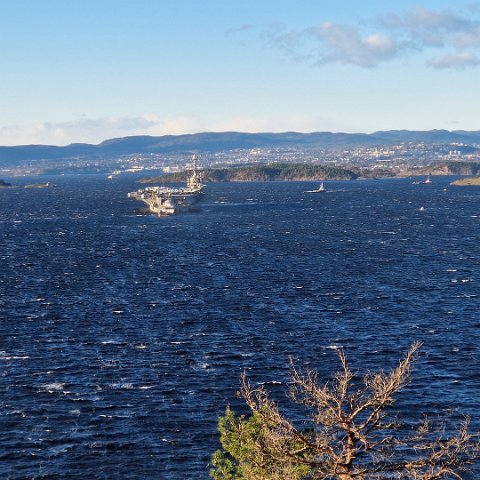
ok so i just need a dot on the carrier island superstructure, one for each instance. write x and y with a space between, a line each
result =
170 201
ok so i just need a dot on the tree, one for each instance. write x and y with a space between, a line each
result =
349 433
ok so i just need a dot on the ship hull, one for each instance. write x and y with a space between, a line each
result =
166 201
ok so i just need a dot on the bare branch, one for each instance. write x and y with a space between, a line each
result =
348 434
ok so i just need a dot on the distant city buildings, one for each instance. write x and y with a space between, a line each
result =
398 158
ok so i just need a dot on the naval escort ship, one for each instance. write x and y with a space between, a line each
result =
170 201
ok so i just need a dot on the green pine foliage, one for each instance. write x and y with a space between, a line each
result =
246 453
348 432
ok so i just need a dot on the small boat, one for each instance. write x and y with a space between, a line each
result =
424 182
320 189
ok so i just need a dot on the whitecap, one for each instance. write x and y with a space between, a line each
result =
14 357
122 386
334 347
60 449
53 387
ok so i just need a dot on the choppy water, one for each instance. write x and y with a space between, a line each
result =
122 337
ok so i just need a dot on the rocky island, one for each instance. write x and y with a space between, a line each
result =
274 172
4 184
467 182
314 172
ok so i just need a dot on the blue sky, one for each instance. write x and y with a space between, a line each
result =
88 70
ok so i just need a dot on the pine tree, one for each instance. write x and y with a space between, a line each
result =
349 433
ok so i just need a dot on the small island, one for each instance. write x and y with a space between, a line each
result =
281 171
273 172
37 185
4 184
467 182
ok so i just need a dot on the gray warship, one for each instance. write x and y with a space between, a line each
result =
164 201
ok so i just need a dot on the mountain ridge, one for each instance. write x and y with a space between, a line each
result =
221 141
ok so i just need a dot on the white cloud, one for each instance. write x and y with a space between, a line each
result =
291 43
344 44
173 126
384 38
434 28
297 123
443 30
93 130
379 42
334 43
455 60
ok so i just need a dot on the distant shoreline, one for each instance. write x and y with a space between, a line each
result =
301 172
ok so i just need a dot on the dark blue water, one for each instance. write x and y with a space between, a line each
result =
122 337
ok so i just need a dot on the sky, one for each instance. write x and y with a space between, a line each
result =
89 70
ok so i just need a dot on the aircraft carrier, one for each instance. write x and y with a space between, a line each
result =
164 201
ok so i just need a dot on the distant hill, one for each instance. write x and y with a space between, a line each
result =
220 141
4 184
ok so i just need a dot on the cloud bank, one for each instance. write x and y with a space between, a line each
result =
93 130
448 39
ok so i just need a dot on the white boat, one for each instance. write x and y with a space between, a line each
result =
320 189
424 182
